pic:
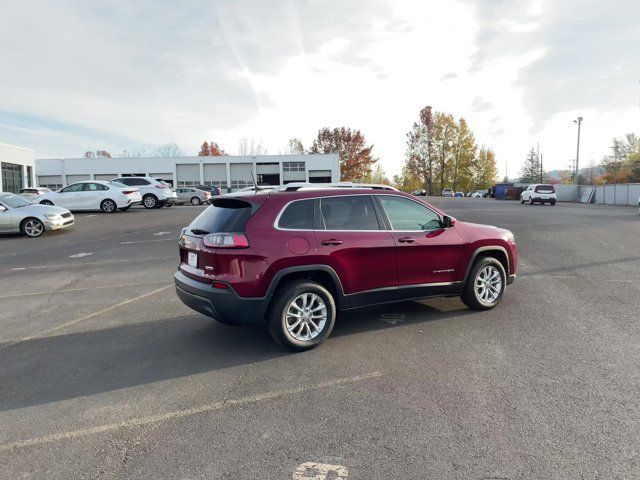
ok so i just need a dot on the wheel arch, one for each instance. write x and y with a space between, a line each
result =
495 251
322 274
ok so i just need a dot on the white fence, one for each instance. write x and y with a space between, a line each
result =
619 194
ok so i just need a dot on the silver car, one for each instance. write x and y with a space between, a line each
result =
18 215
192 195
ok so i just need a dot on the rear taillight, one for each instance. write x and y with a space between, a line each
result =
127 192
161 186
226 240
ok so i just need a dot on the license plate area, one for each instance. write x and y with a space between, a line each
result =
192 259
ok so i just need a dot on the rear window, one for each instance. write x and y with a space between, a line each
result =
297 216
545 189
224 215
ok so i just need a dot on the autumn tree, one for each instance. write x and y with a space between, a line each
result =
97 154
464 154
420 155
211 150
485 169
169 150
356 160
530 172
444 140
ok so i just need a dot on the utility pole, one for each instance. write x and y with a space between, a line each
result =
579 122
541 170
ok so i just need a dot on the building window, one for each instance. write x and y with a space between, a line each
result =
11 174
293 166
29 176
237 184
215 183
188 183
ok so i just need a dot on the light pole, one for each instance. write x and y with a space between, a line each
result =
579 122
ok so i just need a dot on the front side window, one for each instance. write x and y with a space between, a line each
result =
407 215
297 216
76 187
348 213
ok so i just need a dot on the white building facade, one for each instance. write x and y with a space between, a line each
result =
17 168
229 173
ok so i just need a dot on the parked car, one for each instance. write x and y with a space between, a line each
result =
539 194
155 193
215 191
18 215
479 194
459 194
419 193
93 195
192 195
31 193
294 258
447 192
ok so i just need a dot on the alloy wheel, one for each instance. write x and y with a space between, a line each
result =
488 285
33 228
108 206
306 316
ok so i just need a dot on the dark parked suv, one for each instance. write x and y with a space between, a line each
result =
296 257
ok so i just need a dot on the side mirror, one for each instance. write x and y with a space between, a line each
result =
3 208
446 222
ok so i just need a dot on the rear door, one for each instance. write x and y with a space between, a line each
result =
426 253
351 238
92 195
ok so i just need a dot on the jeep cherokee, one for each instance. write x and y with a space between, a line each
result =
295 257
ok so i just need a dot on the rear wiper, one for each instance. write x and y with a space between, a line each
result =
197 231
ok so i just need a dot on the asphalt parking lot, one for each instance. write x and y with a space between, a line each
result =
105 374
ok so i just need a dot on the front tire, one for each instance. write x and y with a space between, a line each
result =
195 201
108 206
32 227
531 201
485 285
150 201
521 201
302 315
46 202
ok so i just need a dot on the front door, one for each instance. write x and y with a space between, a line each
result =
351 239
69 197
426 253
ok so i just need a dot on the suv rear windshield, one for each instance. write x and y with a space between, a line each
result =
545 189
224 215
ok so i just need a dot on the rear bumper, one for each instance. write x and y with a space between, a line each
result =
543 200
223 305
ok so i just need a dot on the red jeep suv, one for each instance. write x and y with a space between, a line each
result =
294 258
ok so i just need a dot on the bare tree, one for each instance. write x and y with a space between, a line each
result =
294 147
169 150
251 146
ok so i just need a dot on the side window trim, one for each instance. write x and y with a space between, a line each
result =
323 227
411 200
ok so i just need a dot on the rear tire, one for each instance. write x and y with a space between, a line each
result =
195 201
150 201
108 206
521 201
302 315
485 285
32 227
553 203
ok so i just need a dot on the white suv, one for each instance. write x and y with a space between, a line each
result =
539 193
155 194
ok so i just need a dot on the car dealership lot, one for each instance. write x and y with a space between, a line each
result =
104 373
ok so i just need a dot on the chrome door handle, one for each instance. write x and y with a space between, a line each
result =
331 242
407 240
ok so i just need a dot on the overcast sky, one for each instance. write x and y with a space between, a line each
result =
131 75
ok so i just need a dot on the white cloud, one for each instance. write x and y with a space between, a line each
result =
134 74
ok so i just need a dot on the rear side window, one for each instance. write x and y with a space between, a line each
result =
297 215
224 215
348 213
545 189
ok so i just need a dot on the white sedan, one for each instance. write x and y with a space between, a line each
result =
93 195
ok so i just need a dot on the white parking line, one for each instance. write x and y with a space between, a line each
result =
9 342
148 241
66 290
211 407
129 260
320 471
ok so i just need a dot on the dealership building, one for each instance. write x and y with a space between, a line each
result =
16 168
230 173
